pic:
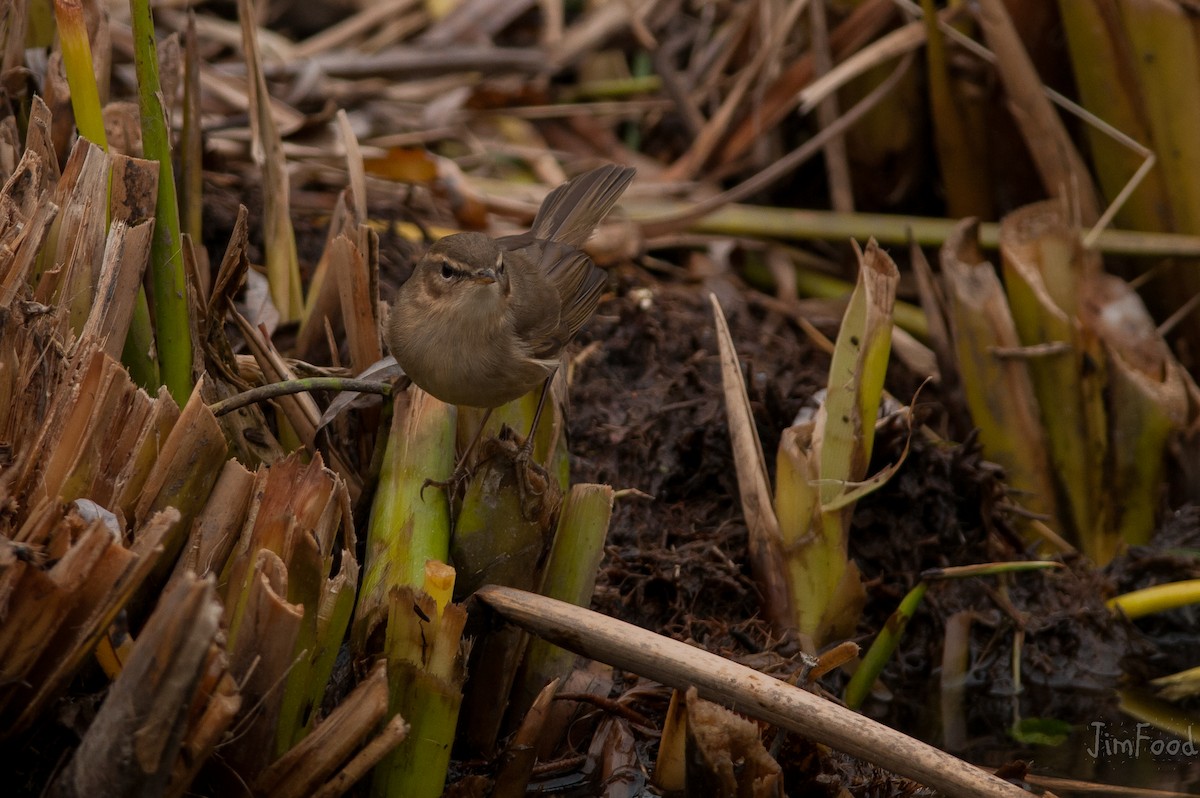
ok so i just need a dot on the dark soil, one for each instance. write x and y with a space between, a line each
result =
648 413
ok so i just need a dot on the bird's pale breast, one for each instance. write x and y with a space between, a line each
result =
464 363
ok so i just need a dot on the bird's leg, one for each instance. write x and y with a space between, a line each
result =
461 473
527 447
523 462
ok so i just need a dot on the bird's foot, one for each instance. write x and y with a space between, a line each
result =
455 487
532 478
537 490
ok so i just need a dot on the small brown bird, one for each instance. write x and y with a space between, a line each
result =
483 321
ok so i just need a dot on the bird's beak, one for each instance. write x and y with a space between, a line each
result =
484 276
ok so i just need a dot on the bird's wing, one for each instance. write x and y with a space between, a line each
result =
571 212
579 284
555 298
535 309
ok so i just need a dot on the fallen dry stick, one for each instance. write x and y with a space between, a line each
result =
760 696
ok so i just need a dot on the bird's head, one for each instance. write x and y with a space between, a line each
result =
463 269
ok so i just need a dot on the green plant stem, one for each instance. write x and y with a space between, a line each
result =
881 650
289 387
77 62
139 355
796 224
169 285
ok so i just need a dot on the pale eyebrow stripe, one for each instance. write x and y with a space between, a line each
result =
442 260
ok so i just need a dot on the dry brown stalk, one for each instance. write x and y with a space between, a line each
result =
131 746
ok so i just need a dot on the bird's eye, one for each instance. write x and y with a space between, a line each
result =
447 272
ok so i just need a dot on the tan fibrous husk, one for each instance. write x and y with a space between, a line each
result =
105 485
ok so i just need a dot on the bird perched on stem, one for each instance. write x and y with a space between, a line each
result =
483 321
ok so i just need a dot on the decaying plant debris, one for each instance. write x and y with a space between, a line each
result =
262 601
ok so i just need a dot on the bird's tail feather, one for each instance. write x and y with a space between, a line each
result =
571 212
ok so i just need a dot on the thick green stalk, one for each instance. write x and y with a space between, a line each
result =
410 524
139 354
1009 423
1044 277
169 285
570 576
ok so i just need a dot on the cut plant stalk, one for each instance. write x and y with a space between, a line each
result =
669 768
520 752
39 138
326 595
28 191
1046 272
801 538
187 467
570 576
1147 398
981 324
217 527
304 768
500 535
264 630
70 608
952 694
1157 713
321 305
323 302
1178 686
292 581
76 239
126 253
717 736
211 717
426 669
503 527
